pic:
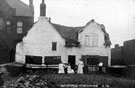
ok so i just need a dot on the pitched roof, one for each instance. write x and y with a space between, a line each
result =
21 8
68 32
71 33
107 38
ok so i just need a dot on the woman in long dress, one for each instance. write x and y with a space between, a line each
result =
80 67
61 68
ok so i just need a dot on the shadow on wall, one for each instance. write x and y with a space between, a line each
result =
7 56
4 56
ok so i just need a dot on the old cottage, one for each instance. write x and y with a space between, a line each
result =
47 43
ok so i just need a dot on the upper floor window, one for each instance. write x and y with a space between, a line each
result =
54 46
19 27
91 40
8 24
1 23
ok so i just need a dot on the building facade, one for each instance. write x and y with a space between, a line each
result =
124 55
16 18
117 55
49 43
129 56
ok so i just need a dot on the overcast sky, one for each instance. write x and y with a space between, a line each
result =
118 16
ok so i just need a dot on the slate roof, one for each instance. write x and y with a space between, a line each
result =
68 32
71 33
21 8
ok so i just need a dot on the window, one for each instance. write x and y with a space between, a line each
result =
8 23
54 46
19 27
52 60
86 40
1 23
92 60
33 60
91 40
71 43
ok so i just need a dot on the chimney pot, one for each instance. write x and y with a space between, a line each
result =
30 2
116 45
49 19
31 6
43 1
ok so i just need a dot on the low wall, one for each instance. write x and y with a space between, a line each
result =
131 71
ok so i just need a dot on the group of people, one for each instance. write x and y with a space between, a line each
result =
69 70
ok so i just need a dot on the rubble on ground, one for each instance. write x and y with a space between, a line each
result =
32 81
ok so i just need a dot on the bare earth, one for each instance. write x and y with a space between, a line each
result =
84 81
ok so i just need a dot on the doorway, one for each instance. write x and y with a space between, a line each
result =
71 61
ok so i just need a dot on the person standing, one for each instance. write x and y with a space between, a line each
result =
61 68
80 67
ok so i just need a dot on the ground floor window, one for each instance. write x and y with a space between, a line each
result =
92 60
33 59
104 59
52 59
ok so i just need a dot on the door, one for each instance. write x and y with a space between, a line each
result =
71 61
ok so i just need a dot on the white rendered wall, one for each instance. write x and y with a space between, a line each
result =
101 49
38 42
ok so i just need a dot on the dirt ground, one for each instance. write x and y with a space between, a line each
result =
83 81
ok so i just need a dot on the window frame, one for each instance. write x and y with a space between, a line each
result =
7 23
30 59
2 25
92 60
52 60
91 40
8 26
54 46
19 27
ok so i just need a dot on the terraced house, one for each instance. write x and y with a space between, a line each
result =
16 18
47 43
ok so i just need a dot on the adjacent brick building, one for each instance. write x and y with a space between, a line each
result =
16 18
124 55
129 52
117 55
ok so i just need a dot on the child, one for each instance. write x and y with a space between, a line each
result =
69 70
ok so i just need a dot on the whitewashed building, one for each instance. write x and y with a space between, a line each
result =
48 43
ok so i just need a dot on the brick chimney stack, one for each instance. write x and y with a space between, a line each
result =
31 5
30 2
42 9
116 45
